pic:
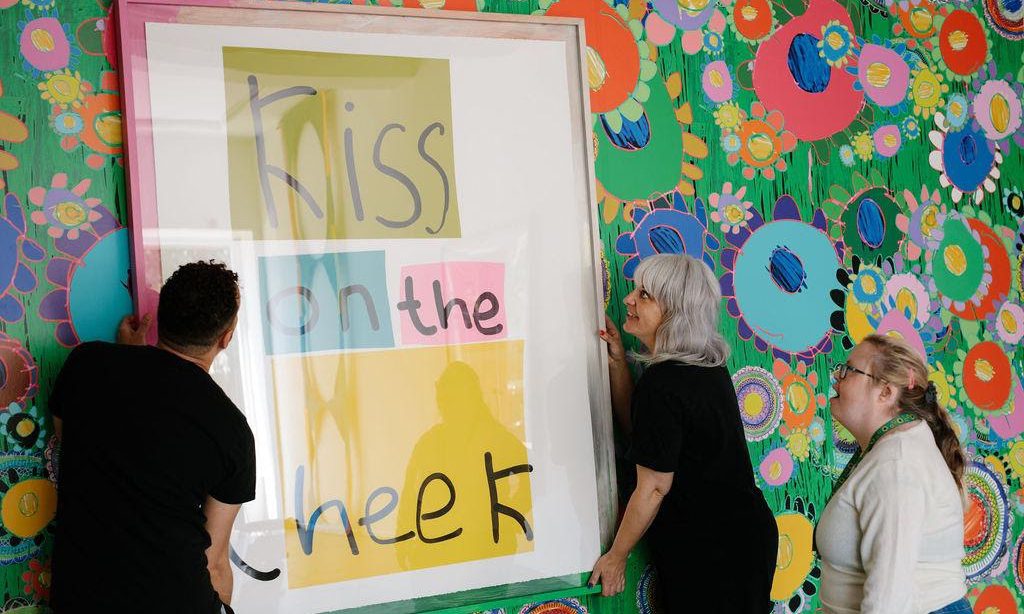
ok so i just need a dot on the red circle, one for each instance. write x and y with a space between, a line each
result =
757 28
998 598
809 116
609 37
968 60
1002 274
992 393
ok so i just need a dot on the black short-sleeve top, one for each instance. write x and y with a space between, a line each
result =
147 437
686 421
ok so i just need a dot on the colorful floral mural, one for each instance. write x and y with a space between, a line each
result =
844 166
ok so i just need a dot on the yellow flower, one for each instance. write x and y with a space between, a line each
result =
927 91
863 146
64 89
799 443
944 387
729 116
1016 459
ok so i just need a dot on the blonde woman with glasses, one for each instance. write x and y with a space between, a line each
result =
706 522
891 536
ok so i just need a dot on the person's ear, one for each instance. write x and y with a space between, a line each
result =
887 393
225 339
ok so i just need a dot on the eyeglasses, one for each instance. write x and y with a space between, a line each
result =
843 369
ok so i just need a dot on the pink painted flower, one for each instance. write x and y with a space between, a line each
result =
66 211
777 467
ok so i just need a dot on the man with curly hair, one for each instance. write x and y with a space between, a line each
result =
155 459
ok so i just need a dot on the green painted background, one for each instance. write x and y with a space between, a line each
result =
662 141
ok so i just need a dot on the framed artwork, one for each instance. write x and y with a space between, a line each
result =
416 350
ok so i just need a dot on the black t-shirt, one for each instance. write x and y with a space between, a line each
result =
686 420
147 436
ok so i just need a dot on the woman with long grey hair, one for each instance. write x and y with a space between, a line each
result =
707 524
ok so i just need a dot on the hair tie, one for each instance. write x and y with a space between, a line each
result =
911 381
931 395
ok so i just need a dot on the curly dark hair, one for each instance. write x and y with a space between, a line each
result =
197 304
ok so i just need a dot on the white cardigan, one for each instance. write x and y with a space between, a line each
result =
891 539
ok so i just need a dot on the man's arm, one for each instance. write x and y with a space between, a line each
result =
220 517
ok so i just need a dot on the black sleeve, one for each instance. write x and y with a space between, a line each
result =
63 387
657 428
238 484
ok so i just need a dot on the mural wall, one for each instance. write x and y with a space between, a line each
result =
844 167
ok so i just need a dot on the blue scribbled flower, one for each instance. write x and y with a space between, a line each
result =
671 226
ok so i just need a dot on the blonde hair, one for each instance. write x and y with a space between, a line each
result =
895 362
689 295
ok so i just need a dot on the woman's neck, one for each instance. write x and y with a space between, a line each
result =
865 431
871 427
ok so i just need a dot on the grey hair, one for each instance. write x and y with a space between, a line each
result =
690 298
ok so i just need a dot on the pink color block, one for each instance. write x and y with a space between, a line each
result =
464 280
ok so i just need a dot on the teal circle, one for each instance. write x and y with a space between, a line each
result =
98 297
794 321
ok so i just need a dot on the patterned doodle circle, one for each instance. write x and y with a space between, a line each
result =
1018 563
987 376
560 606
646 591
844 441
801 403
101 123
986 521
887 139
52 456
26 508
1006 17
760 399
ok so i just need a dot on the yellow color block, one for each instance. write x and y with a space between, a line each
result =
409 443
